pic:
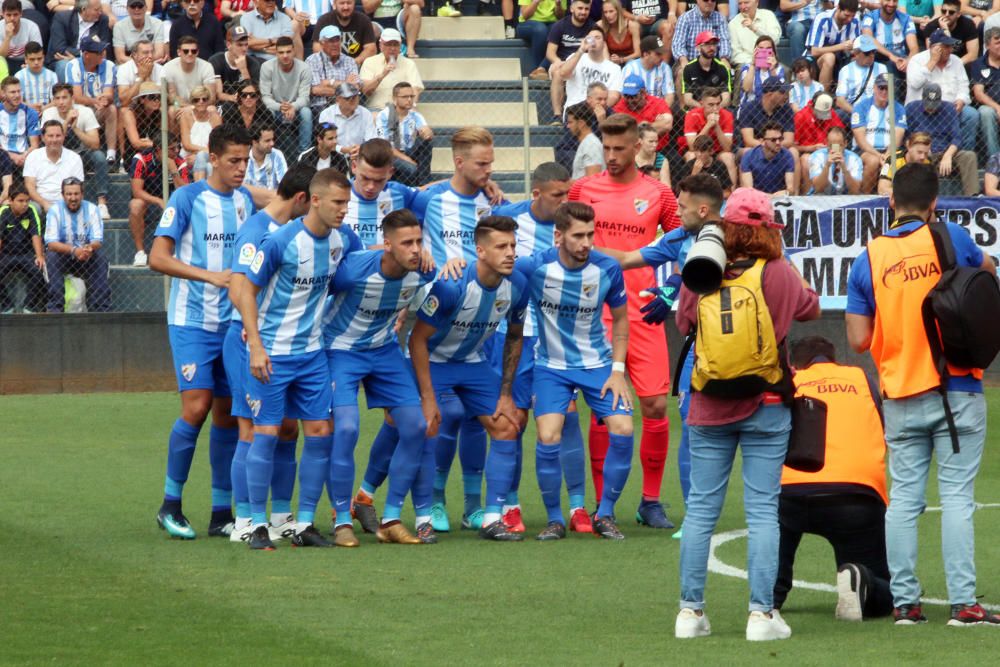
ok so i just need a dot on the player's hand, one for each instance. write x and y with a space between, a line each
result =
221 278
260 363
40 262
432 415
620 393
453 269
427 261
507 410
494 192
655 312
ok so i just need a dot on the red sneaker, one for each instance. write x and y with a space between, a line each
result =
579 521
512 519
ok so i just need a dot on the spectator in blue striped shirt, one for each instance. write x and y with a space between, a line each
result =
409 134
266 166
873 131
93 81
802 14
18 123
704 18
36 80
831 39
894 33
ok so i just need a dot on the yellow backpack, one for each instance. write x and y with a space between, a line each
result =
736 353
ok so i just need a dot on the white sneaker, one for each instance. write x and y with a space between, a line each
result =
105 213
691 624
852 591
282 527
241 530
510 32
140 258
762 627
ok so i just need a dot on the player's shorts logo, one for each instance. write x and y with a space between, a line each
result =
168 217
589 290
254 404
246 254
640 205
258 261
430 306
188 371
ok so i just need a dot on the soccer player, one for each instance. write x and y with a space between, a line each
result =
569 283
550 184
373 195
369 291
446 347
628 208
288 283
194 245
290 201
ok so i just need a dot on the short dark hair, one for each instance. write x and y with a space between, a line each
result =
836 128
31 48
53 123
18 189
704 186
770 126
494 223
547 172
62 87
399 86
848 5
804 351
325 178
322 129
581 111
710 91
284 40
376 153
187 39
11 6
703 142
399 219
296 180
256 129
618 124
570 211
957 3
915 187
223 135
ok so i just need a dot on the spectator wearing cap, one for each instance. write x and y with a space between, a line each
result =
355 124
833 169
706 70
284 87
800 14
588 159
894 34
357 31
15 33
18 123
138 26
716 123
68 31
961 27
874 128
916 150
145 174
324 153
986 90
811 125
938 65
747 27
691 28
857 79
185 73
934 115
831 39
93 79
141 120
330 68
590 64
203 26
804 84
652 66
265 24
140 68
646 108
769 166
45 169
409 134
380 73
234 65
402 15
751 77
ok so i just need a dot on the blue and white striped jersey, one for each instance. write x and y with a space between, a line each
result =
405 134
466 314
659 80
876 121
450 221
825 31
533 235
364 216
852 77
807 13
93 83
571 335
800 95
36 88
203 224
16 127
891 35
294 267
361 313
314 8
249 239
820 160
75 229
268 174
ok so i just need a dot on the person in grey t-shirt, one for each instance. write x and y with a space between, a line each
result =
138 26
589 158
284 86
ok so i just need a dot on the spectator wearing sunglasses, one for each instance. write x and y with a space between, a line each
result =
959 27
248 109
185 73
200 24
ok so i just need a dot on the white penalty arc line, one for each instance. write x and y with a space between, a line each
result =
716 566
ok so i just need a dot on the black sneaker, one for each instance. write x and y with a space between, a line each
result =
852 592
310 537
908 614
366 515
260 539
605 526
222 524
965 615
426 533
652 514
497 531
554 531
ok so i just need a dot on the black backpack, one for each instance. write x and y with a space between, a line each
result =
960 314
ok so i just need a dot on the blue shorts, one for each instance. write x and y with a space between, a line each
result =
198 359
477 385
299 388
386 375
234 358
523 390
554 391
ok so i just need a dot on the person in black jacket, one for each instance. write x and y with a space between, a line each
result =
324 154
199 22
21 251
65 37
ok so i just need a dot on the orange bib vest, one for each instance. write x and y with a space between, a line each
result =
855 442
904 269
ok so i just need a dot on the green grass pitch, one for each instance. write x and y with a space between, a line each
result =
89 579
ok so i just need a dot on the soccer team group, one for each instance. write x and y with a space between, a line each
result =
456 311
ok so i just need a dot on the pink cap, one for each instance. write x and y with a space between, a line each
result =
747 206
705 36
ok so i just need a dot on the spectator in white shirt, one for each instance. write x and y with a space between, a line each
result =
139 69
589 64
589 156
45 170
355 124
746 27
939 65
15 33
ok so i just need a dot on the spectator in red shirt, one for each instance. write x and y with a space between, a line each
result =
811 125
645 108
713 121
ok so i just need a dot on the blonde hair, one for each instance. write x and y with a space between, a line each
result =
621 22
200 91
469 136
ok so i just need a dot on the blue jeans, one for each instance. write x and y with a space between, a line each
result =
304 118
915 429
763 440
536 34
797 32
969 124
98 161
988 126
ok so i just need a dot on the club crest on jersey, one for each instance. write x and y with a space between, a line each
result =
246 254
241 212
500 305
430 306
406 293
167 218
482 211
589 290
188 371
385 207
641 205
335 253
258 261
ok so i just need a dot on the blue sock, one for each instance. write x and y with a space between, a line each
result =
472 455
283 477
381 452
221 447
573 460
406 461
515 483
423 486
549 475
345 439
314 471
238 471
260 466
501 461
616 468
452 414
180 453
